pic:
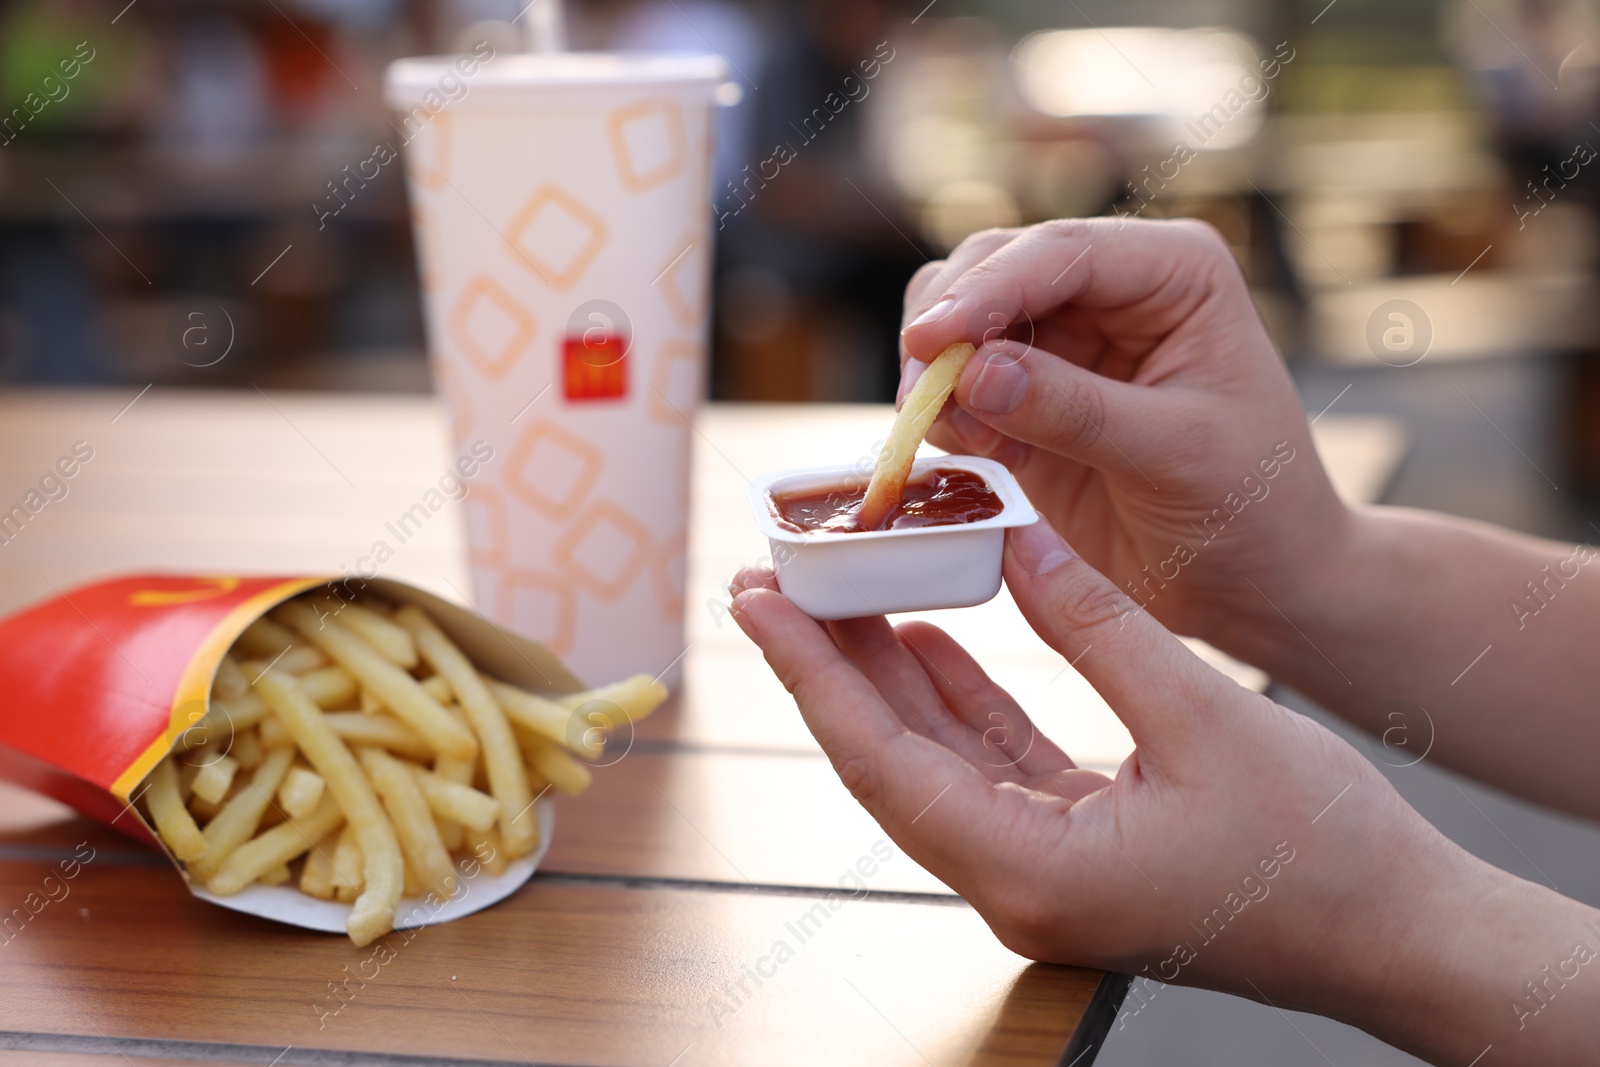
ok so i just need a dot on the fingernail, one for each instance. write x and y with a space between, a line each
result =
908 379
940 310
1039 548
1000 385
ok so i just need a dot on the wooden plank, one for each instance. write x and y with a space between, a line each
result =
17 1053
563 972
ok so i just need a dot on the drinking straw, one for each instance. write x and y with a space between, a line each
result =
546 26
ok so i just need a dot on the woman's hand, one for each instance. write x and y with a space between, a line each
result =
1125 376
1241 847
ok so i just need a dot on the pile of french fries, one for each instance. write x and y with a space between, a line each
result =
353 749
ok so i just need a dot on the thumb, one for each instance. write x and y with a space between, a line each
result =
1156 686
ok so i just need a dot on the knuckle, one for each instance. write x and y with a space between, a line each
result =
925 275
1083 415
1091 602
1205 237
1061 227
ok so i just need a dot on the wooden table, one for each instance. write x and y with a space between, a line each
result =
646 938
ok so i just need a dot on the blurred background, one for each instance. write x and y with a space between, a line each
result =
199 153
1410 186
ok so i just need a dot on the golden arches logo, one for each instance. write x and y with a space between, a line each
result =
210 589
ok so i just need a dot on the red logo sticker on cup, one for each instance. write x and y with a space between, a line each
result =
595 366
594 356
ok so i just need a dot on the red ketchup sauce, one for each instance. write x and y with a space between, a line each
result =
941 497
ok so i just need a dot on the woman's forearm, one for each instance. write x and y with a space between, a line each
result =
1475 646
1492 970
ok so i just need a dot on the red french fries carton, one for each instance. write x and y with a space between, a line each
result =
103 680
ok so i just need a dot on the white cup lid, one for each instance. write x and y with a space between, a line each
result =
525 77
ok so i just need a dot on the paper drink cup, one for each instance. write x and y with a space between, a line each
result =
563 228
103 680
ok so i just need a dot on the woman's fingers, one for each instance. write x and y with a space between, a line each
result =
922 793
1028 395
1159 271
932 279
1002 735
899 676
1160 690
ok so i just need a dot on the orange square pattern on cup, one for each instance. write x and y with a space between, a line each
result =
605 550
483 310
427 154
485 519
682 281
640 131
675 382
552 469
557 236
669 573
545 605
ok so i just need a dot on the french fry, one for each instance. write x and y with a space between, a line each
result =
347 861
462 772
300 792
397 689
413 822
264 638
273 734
921 407
392 642
226 718
186 773
297 660
552 763
316 877
173 821
230 681
215 778
631 699
461 804
370 704
247 749
545 717
278 875
508 779
487 850
385 731
373 914
329 687
236 821
274 848
438 687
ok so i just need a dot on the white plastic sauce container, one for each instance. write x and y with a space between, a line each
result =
830 575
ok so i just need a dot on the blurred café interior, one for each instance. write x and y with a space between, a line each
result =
1411 149
1432 151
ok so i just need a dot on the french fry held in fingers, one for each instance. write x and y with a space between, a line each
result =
916 416
384 762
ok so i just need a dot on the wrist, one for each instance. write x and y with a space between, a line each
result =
1315 587
1480 958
